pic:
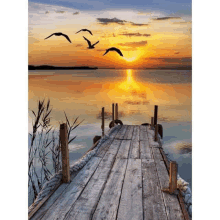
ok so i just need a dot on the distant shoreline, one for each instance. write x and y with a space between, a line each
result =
48 67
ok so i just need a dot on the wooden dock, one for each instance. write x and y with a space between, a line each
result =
124 180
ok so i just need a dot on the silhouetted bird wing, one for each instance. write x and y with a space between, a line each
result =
78 31
67 37
49 36
89 43
95 43
88 31
114 49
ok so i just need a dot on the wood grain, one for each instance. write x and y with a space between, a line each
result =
124 149
145 150
153 204
130 206
87 202
129 132
63 204
108 205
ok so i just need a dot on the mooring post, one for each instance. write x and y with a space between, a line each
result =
152 122
113 113
173 176
65 153
116 111
156 133
103 121
155 114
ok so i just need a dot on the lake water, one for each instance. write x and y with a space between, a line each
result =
84 92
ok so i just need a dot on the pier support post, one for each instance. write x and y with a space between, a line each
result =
156 133
155 114
173 177
113 113
152 122
65 153
116 111
103 121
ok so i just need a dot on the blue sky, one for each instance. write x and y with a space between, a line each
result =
168 6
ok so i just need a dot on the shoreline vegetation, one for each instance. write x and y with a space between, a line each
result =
44 156
49 67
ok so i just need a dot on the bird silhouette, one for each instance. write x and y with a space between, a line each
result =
91 46
113 49
85 30
59 34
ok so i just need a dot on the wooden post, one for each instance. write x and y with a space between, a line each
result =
156 133
155 114
103 121
65 153
173 176
113 113
152 122
116 111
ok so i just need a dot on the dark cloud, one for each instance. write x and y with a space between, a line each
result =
172 59
166 18
134 34
76 13
135 24
79 45
134 44
106 21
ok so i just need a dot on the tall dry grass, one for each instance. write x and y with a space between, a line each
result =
44 148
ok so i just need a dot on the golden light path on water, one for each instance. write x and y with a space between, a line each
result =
130 83
83 94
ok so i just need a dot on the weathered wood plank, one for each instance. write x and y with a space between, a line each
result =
113 149
121 133
153 203
157 154
104 147
145 150
134 150
136 133
129 132
172 205
130 206
108 205
143 133
42 211
87 202
63 204
124 149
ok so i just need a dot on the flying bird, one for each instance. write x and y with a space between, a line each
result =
85 30
113 49
59 34
91 46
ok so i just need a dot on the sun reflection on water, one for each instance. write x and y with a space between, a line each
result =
130 83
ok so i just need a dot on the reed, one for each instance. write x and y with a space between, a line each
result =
44 148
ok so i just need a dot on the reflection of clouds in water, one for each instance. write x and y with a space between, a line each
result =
129 102
108 115
180 147
74 147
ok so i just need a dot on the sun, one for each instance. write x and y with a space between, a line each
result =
130 59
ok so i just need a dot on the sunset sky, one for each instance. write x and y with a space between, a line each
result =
150 34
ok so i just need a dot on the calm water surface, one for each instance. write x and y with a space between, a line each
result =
84 92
